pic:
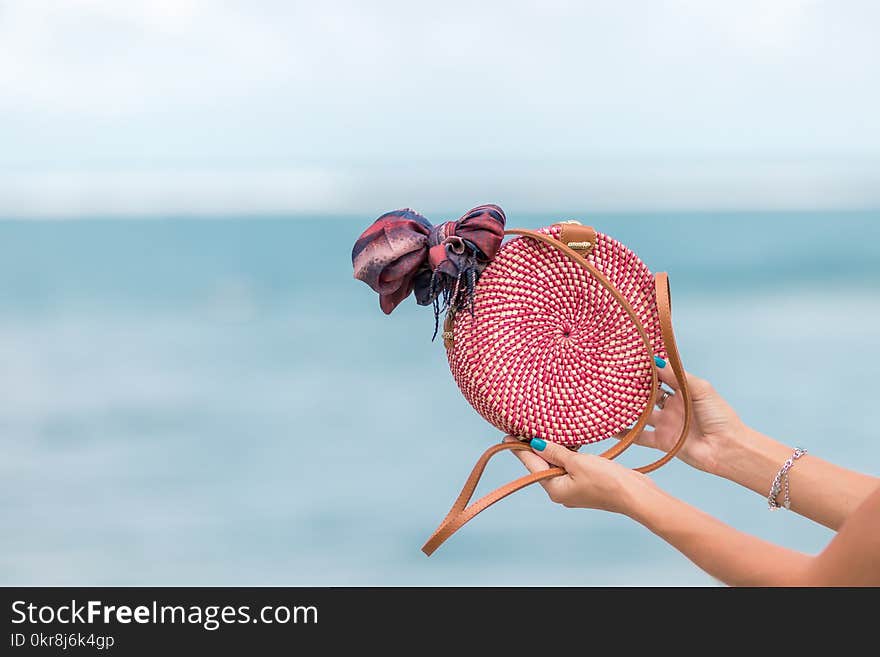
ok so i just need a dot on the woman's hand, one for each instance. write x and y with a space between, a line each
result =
715 426
590 482
732 556
719 443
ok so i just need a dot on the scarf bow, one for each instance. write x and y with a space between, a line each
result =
401 252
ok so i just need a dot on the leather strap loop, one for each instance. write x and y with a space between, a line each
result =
460 513
664 313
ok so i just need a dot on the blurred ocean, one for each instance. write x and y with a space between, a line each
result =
219 402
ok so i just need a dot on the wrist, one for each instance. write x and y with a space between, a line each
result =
751 459
719 448
635 487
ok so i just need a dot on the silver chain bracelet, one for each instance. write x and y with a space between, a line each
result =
781 481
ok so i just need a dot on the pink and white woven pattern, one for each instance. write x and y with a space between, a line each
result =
549 352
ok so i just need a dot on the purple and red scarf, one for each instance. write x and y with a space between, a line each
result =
402 252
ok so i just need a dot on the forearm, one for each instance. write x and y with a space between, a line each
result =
821 491
735 558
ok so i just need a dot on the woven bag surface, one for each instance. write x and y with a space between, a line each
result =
548 351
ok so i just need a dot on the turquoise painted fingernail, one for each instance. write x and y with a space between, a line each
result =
538 444
660 362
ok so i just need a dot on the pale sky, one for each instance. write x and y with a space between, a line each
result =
143 107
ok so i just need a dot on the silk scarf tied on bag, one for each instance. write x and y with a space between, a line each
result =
403 253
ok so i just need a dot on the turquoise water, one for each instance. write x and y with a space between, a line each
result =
219 402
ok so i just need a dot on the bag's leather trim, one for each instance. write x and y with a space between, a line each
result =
580 238
460 513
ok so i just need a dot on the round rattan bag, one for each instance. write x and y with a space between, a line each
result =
548 351
552 334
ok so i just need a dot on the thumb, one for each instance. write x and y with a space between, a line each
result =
552 452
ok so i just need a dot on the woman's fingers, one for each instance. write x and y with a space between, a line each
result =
557 455
553 452
698 387
665 373
532 461
645 437
655 418
535 463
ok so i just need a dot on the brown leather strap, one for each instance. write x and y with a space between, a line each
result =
664 313
459 514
